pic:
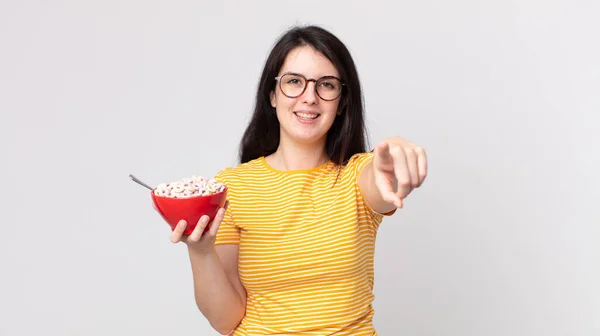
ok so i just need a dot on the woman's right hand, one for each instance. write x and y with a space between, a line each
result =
199 240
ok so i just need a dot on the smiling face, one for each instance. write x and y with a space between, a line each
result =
307 118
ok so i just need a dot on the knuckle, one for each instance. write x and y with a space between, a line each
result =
201 222
404 180
405 184
396 150
200 229
215 226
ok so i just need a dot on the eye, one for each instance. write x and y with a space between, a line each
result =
328 85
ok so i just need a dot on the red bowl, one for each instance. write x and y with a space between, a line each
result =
190 209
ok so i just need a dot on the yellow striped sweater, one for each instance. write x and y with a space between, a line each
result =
306 246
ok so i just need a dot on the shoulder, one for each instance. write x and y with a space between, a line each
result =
358 161
359 158
238 173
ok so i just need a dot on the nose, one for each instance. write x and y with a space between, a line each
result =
310 93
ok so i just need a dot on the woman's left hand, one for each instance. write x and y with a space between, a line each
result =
399 166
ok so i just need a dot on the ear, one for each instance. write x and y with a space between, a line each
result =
272 96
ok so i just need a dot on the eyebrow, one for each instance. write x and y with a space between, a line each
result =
300 73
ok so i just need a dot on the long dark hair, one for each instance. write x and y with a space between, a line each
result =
346 137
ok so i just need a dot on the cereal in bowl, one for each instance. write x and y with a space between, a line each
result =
189 187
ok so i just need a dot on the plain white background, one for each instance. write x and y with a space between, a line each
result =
501 240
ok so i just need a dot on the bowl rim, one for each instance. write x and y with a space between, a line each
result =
188 198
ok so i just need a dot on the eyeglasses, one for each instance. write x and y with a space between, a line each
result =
293 85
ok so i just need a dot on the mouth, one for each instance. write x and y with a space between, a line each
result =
307 115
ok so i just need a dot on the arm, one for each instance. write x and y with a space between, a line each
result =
370 192
219 293
398 167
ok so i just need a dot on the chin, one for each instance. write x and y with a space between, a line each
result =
309 138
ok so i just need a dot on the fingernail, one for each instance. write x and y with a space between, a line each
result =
204 219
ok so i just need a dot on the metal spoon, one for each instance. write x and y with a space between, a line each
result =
136 180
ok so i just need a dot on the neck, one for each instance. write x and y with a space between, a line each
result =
297 156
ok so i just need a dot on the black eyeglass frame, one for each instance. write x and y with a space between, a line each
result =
306 80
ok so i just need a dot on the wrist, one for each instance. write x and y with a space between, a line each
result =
201 252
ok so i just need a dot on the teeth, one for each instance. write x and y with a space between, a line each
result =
307 115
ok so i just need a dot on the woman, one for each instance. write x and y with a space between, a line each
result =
292 250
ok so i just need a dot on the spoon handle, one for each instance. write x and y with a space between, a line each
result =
136 180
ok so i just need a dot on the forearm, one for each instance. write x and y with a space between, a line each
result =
216 297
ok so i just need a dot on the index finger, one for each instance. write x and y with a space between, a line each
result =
382 155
